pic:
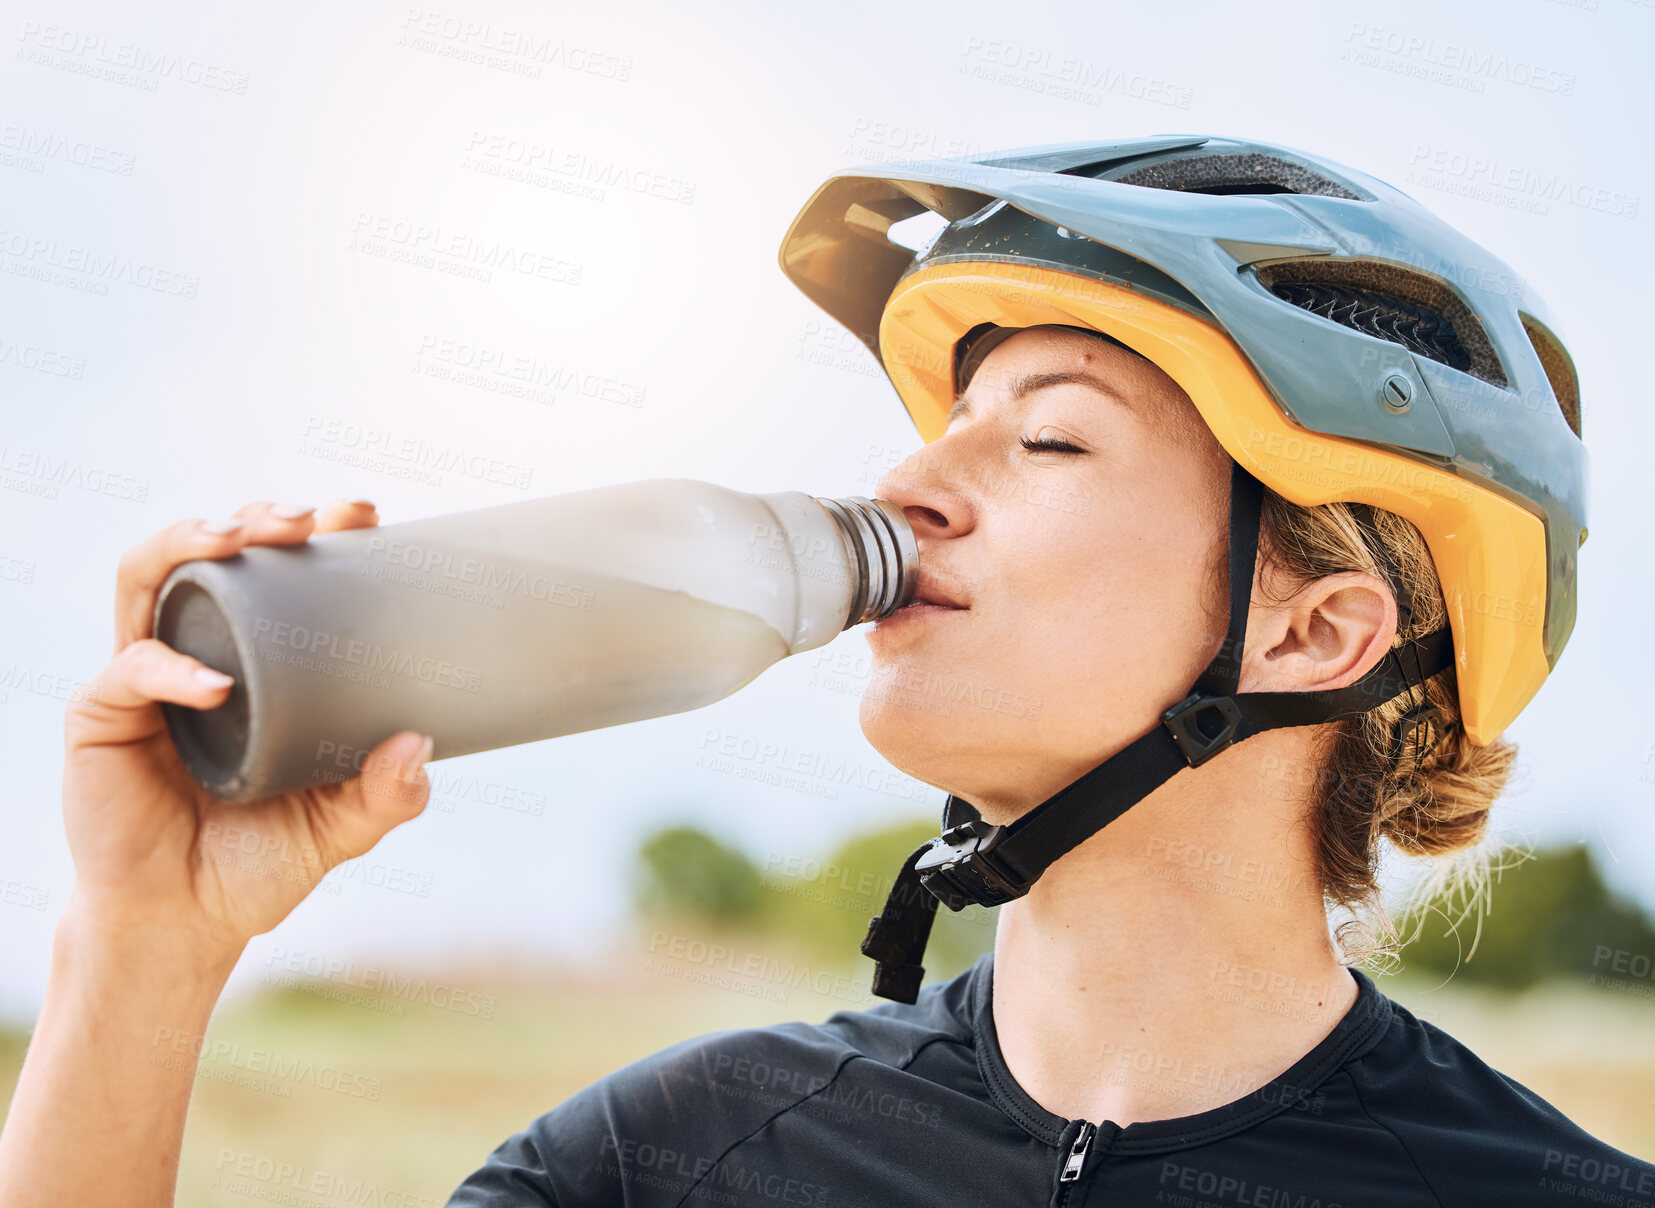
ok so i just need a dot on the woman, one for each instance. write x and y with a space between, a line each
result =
1138 1035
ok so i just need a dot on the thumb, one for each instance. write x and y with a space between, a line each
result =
392 788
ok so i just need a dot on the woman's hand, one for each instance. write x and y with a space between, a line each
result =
170 885
150 846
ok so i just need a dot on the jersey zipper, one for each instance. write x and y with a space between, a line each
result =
1077 1153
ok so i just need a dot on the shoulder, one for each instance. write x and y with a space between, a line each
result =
653 1128
1476 1135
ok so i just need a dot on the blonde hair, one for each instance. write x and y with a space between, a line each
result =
1429 799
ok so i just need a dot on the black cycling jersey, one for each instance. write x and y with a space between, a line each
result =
913 1105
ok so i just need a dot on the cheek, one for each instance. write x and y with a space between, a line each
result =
1114 603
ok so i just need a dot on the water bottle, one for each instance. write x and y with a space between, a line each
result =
514 623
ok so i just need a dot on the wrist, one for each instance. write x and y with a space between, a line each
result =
143 948
114 1054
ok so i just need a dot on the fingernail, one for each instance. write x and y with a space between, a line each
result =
426 747
223 526
290 511
212 678
362 503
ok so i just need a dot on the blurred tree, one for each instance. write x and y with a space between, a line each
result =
826 904
820 906
687 874
1550 916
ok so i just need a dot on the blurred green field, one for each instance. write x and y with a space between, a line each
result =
432 1090
386 1089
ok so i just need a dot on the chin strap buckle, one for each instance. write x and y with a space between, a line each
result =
1202 725
957 868
897 935
961 867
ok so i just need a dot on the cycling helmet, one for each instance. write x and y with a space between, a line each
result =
1341 343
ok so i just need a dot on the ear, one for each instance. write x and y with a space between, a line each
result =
1328 634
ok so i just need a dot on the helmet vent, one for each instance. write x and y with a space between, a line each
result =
1559 371
1227 175
1389 303
1416 328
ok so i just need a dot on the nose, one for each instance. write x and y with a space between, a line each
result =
920 487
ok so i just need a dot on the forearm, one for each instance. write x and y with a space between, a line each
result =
98 1115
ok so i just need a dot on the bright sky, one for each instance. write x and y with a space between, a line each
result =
228 159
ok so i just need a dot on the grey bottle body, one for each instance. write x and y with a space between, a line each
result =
514 623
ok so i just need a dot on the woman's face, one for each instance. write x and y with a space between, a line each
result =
1090 573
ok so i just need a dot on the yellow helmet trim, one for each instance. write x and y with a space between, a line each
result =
1476 537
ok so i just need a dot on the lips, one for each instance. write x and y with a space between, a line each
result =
935 590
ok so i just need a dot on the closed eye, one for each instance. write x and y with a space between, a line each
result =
1052 446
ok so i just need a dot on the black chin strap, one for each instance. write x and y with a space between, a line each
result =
973 861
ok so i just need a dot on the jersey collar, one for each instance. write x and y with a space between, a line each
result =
1357 1031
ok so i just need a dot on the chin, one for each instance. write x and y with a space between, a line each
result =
913 731
933 734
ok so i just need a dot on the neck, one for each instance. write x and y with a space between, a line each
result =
1180 958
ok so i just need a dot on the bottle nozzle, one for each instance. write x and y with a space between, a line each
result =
879 537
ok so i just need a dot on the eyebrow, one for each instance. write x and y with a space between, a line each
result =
1028 383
